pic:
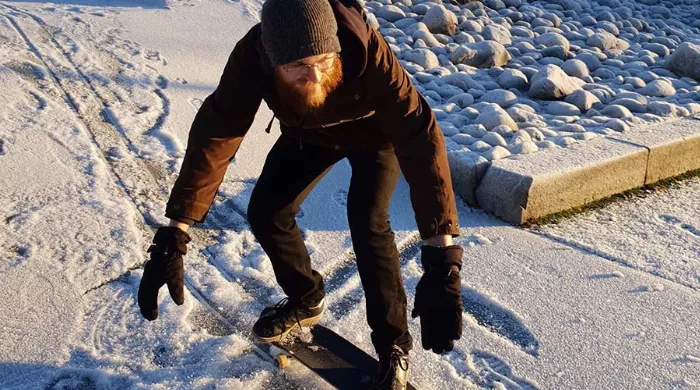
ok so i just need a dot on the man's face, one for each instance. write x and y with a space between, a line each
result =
305 84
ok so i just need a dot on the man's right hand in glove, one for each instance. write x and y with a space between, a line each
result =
164 267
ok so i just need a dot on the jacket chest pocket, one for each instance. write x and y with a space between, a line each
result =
350 105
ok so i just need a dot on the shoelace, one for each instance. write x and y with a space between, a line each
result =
394 357
284 306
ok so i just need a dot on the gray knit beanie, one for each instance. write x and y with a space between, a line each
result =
294 29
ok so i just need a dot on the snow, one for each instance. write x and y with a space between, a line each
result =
97 99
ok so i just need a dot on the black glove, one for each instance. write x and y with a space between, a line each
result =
164 267
439 298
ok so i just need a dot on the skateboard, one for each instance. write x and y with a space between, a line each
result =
326 353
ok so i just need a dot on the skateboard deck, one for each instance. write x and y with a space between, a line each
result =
329 355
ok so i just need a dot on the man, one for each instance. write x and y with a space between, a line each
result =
338 92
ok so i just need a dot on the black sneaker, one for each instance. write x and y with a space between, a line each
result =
393 371
277 321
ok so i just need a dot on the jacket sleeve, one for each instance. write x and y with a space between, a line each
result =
410 125
215 135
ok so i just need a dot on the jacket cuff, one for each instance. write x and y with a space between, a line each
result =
186 212
435 227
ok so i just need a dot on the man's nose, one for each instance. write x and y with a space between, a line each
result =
314 75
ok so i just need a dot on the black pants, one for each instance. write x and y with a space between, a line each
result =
290 173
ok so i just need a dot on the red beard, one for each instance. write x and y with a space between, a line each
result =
307 97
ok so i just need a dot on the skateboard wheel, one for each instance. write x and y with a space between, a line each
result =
282 361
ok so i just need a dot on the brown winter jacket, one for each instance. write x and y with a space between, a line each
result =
376 106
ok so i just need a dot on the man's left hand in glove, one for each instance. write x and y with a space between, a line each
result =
439 298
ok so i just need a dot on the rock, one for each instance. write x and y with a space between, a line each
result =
494 139
635 82
632 95
495 117
501 97
390 13
426 37
480 146
448 129
496 153
405 22
471 25
657 48
463 139
617 125
521 115
496 33
440 20
463 81
519 137
685 61
562 108
664 109
512 78
571 128
462 99
503 130
616 111
630 104
592 62
526 147
551 83
558 52
660 11
552 39
575 68
423 57
606 41
608 26
658 88
495 4
485 54
475 130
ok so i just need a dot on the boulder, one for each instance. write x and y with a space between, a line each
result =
551 83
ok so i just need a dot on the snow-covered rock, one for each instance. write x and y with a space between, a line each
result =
658 88
605 41
575 68
685 60
551 83
484 54
562 108
512 78
423 57
503 98
552 39
491 118
496 33
390 13
440 20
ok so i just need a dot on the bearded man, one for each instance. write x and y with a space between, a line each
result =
338 92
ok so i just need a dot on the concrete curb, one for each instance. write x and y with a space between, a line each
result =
524 187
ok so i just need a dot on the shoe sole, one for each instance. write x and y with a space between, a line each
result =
311 321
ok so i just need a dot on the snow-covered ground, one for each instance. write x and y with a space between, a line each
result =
97 99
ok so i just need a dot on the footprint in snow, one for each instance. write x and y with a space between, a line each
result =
677 223
497 374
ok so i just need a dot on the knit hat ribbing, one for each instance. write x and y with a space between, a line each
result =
294 29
